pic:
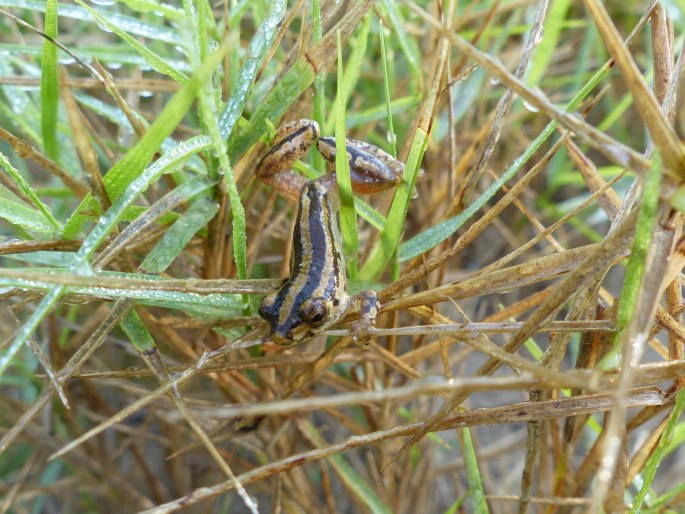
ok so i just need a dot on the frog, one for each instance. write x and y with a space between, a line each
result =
315 295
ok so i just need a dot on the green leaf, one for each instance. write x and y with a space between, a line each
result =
407 44
127 23
179 235
352 480
47 217
435 235
659 453
154 60
353 68
390 235
119 178
635 266
133 165
134 328
154 6
547 48
25 217
474 478
259 45
49 84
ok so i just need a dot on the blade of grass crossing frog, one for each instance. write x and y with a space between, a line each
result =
29 192
348 216
259 45
435 235
134 163
179 235
390 236
154 60
49 86
294 82
383 251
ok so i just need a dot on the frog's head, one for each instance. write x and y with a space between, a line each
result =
297 320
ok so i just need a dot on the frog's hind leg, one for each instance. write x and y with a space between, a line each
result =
371 169
292 141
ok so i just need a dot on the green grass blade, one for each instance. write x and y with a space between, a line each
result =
390 235
407 44
635 266
179 235
120 178
134 163
293 83
435 235
127 23
208 98
379 112
473 473
134 328
154 60
30 193
659 453
49 84
547 49
348 215
259 45
19 214
386 83
29 327
168 11
353 68
353 481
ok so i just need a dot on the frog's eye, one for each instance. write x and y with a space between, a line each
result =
267 308
314 311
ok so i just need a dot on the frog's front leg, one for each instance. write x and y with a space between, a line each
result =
367 302
291 142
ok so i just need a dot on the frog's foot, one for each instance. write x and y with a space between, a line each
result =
368 309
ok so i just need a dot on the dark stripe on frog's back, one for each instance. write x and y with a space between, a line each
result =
308 265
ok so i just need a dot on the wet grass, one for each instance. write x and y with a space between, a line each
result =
529 352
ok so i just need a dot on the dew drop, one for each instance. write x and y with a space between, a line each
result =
530 107
103 26
539 36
